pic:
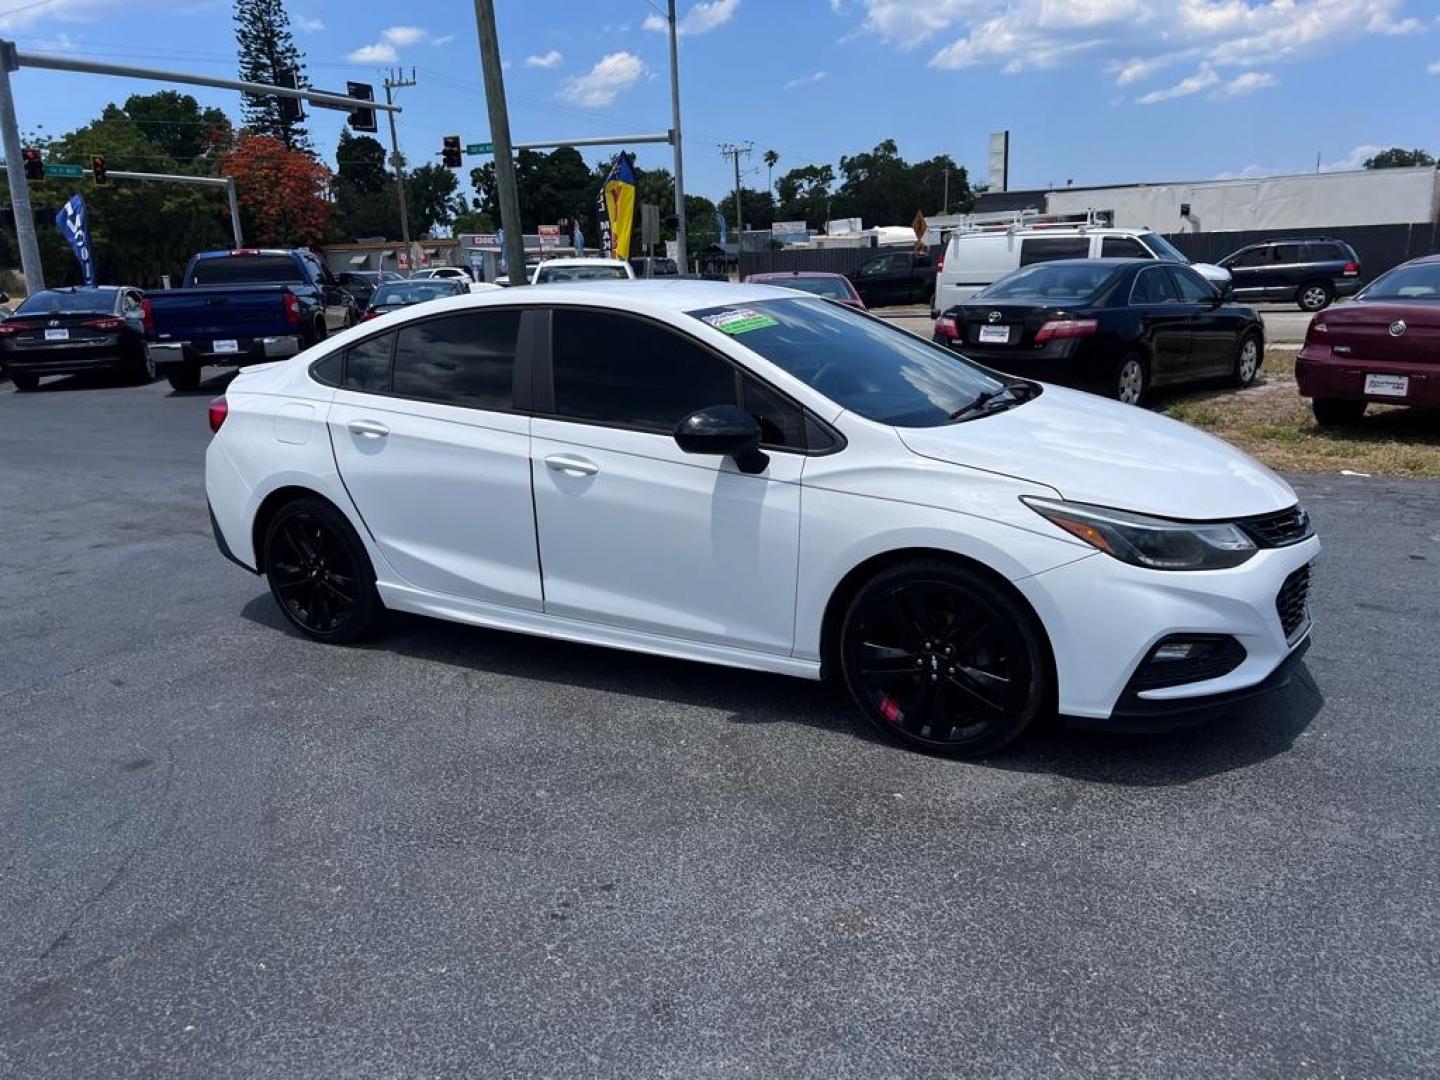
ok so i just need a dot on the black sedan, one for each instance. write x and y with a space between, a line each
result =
1114 326
398 294
69 331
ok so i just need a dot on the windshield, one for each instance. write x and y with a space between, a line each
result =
1163 248
412 292
1406 283
247 270
820 286
82 300
858 362
1057 282
580 273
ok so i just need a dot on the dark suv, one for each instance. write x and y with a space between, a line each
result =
1312 271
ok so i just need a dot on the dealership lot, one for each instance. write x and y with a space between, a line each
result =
229 851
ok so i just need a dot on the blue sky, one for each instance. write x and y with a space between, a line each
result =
1095 91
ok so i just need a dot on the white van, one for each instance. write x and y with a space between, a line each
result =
976 257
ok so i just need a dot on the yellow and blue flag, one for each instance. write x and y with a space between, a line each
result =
617 208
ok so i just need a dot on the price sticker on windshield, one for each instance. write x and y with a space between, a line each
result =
739 321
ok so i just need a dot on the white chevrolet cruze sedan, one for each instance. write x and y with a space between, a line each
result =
745 476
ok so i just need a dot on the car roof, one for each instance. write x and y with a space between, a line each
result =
579 261
670 296
789 275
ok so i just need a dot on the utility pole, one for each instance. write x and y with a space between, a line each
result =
945 208
680 237
397 81
733 153
509 195
15 168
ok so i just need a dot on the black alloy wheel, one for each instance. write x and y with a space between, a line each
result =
940 658
319 573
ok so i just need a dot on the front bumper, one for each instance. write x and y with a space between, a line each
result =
1320 373
248 351
1103 617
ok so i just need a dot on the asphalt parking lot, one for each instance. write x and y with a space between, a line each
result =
229 852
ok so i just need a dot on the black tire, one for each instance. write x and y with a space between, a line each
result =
319 574
1315 296
25 384
185 377
139 367
1337 412
1248 359
942 659
1129 380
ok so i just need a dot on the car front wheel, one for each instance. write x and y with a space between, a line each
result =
940 658
319 573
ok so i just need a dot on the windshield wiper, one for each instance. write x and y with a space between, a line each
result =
989 402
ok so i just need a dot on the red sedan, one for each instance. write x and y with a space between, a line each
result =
835 287
1383 346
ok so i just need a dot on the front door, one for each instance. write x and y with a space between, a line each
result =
1214 327
1248 272
633 532
1165 321
435 458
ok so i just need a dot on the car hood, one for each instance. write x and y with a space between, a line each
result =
1094 450
1216 275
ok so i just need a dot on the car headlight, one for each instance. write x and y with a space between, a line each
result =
1155 543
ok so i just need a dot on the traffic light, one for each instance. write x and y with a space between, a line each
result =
450 152
97 169
362 119
34 167
290 110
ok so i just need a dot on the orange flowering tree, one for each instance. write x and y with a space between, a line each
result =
282 192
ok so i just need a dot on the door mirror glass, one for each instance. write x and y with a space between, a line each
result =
723 429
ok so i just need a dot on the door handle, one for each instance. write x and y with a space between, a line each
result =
369 429
571 465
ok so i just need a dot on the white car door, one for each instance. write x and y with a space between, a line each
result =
636 533
435 458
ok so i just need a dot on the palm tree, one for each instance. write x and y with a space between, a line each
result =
770 158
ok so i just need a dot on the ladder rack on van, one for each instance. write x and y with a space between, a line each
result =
1009 221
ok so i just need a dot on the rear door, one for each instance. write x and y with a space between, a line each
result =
1165 323
436 456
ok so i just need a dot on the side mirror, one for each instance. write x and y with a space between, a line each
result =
723 429
1227 292
4 298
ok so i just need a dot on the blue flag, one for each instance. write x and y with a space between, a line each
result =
500 237
578 239
720 224
73 226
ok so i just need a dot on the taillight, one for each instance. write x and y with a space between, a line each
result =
147 316
219 409
370 313
1352 269
292 308
1316 327
108 322
8 328
1059 329
940 263
947 327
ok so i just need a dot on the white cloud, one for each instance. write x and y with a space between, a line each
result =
700 19
1137 38
806 80
307 23
600 85
1433 69
444 39
400 36
1203 79
60 43
551 59
1248 83
1355 159
379 53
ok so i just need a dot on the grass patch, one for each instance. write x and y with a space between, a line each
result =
1271 421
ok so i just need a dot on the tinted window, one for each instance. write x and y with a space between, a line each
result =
1122 247
550 274
459 359
1193 288
82 300
1050 281
1289 253
247 270
367 365
1406 283
1053 247
1325 252
1153 286
1258 256
837 288
781 423
1162 248
619 370
860 363
412 292
329 370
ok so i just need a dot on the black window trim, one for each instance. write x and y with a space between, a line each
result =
1160 267
544 383
527 339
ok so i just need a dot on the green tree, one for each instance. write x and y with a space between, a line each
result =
1397 158
804 192
771 158
430 193
175 123
759 208
551 187
700 228
267 48
360 162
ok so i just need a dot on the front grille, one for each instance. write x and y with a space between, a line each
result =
1279 530
1290 603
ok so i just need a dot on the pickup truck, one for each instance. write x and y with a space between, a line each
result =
243 307
897 277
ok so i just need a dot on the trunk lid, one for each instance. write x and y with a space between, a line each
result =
1382 331
220 311
1020 321
61 328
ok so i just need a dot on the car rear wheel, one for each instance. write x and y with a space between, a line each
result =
25 383
1315 296
140 367
1337 412
940 658
1130 380
319 573
184 378
1247 361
